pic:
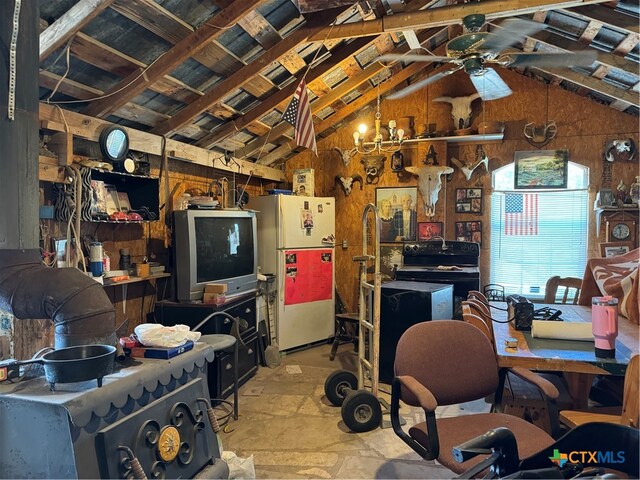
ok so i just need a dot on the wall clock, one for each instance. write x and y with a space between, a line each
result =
622 231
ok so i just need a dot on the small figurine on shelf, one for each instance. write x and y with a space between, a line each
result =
634 191
621 193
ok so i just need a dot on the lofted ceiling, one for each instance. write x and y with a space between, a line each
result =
219 73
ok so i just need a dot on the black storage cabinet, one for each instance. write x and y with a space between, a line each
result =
220 373
403 304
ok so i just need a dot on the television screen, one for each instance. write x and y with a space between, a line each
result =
214 246
224 248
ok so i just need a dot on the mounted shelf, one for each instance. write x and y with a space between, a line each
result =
142 191
452 140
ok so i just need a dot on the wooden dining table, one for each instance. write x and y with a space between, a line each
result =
575 358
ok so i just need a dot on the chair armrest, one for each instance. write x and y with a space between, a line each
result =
433 449
426 399
544 385
548 390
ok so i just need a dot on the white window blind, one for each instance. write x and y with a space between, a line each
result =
538 234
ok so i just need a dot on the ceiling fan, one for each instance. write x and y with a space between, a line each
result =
473 50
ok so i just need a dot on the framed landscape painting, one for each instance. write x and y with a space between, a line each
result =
541 169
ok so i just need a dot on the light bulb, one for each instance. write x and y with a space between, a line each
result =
362 128
400 134
356 137
392 124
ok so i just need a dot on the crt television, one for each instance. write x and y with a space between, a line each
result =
214 246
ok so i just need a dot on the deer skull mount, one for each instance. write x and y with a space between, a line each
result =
460 109
346 155
347 183
468 168
622 149
373 165
539 136
429 183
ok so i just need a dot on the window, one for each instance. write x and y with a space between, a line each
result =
536 234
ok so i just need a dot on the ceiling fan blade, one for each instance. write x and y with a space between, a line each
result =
421 84
489 85
550 59
414 57
511 32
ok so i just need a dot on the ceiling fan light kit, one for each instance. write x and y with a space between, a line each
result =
473 50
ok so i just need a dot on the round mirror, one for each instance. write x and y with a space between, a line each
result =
114 143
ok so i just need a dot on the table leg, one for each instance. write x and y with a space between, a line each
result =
578 385
235 380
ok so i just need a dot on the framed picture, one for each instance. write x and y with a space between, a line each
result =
390 261
612 249
427 230
398 216
469 200
469 232
541 169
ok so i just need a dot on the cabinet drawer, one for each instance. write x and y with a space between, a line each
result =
247 366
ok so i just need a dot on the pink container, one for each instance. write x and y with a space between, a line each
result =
604 324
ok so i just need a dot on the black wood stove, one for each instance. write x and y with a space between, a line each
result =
451 262
152 411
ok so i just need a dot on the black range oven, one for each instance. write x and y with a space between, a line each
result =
450 262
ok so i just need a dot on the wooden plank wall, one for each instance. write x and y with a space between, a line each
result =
148 239
584 128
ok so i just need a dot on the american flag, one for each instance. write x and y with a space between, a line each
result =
298 114
521 214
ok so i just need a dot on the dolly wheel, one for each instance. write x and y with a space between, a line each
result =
361 411
338 385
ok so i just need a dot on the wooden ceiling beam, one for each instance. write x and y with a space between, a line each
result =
317 22
69 24
244 74
90 128
269 104
357 104
442 16
341 90
554 40
154 18
67 86
617 19
593 84
129 88
96 53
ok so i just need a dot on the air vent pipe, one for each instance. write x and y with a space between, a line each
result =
80 309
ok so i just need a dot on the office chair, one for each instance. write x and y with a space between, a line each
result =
567 283
448 362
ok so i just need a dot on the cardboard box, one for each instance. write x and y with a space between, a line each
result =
215 288
303 182
214 298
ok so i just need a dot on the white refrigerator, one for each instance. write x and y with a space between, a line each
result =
296 243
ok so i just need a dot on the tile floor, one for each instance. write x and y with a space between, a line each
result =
293 431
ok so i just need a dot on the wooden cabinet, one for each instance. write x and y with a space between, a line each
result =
220 376
620 224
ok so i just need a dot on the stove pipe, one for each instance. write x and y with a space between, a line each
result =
80 309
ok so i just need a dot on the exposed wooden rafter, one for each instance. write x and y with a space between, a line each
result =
438 17
320 103
353 107
139 80
70 23
243 75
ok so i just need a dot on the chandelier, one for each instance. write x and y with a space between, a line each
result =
396 137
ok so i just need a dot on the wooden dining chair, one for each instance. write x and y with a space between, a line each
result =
478 295
630 415
569 288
